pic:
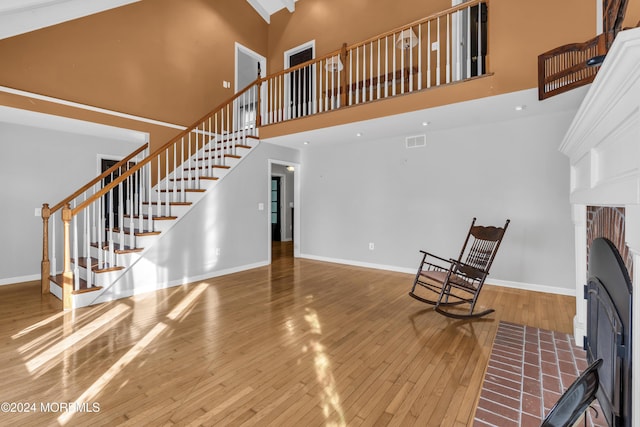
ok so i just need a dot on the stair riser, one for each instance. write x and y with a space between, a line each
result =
206 184
231 161
153 225
187 196
99 279
163 210
206 171
124 259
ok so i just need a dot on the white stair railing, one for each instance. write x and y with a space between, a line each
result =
103 221
440 49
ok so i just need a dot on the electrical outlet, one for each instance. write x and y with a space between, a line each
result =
38 212
372 246
260 206
435 46
217 251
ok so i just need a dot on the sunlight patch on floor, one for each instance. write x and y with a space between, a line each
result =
75 340
329 396
180 310
35 326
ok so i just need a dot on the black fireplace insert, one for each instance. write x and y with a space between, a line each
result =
608 294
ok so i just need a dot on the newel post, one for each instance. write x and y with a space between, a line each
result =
343 58
67 285
45 266
258 106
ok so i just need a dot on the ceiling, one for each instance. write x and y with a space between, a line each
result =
266 8
23 16
483 111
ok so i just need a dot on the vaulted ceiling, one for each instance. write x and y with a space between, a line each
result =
22 16
266 8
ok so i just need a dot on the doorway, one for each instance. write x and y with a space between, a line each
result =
249 66
469 34
300 85
276 214
283 214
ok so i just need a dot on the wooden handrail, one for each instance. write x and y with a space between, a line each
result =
300 66
420 21
374 38
98 179
159 151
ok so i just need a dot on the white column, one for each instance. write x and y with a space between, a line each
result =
579 214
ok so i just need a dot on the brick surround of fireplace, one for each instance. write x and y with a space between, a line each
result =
609 222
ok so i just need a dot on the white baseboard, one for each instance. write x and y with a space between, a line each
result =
152 287
531 287
360 264
19 279
490 282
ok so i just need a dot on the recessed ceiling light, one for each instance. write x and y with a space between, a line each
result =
306 143
425 123
358 134
520 107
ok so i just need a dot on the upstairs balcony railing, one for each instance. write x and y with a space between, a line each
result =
570 66
566 68
442 48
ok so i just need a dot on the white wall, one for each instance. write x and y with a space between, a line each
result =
227 218
41 166
404 200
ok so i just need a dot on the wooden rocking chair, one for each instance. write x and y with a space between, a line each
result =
452 282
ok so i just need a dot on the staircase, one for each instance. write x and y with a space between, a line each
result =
109 224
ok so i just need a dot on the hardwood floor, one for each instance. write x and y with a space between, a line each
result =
300 343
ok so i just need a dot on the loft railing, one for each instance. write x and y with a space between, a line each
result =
105 216
565 67
442 48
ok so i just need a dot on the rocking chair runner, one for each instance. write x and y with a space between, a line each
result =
453 282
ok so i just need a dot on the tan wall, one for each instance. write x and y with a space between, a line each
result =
334 22
160 59
519 31
166 60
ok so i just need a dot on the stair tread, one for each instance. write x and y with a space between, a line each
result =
248 147
193 178
117 249
82 262
153 217
84 287
170 203
180 190
139 232
207 167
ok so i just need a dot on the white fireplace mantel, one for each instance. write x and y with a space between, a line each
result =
603 145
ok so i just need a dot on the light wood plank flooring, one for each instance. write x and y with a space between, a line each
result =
300 343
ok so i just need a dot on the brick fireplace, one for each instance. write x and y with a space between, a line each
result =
603 145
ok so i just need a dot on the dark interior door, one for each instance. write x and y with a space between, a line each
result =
110 203
478 53
300 84
276 228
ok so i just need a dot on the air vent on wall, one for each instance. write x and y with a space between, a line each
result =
416 141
